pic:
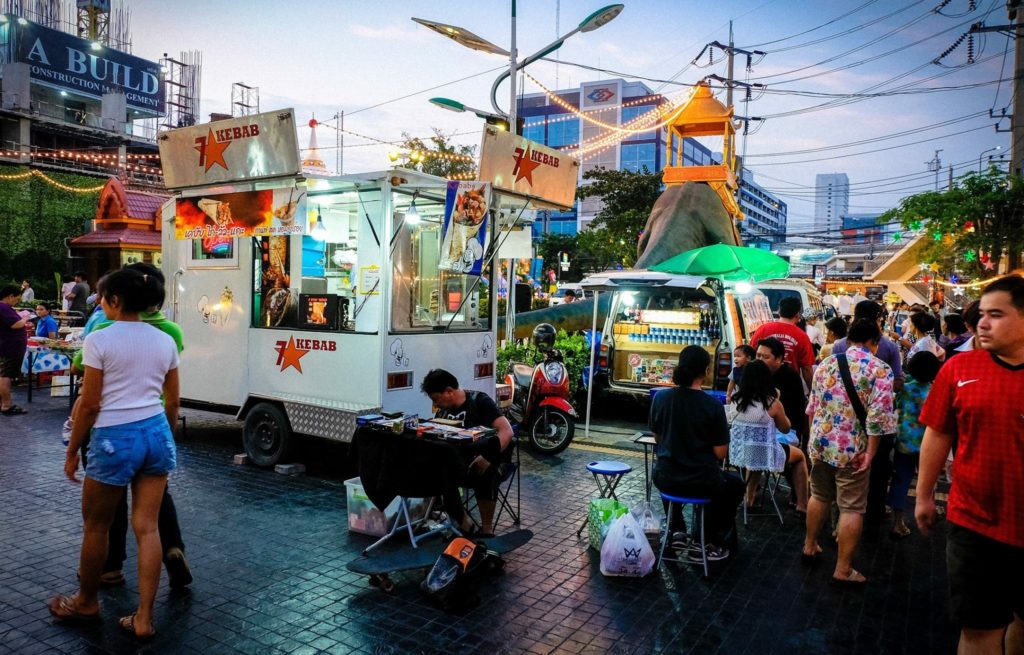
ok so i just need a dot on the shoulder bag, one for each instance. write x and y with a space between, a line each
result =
851 392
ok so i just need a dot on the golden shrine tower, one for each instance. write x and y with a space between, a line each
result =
703 115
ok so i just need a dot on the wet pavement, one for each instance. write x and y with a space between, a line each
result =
268 553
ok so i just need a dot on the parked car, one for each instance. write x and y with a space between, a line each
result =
558 297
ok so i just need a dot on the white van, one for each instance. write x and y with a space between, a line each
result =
810 297
653 316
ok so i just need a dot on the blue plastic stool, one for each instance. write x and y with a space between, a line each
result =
607 475
698 517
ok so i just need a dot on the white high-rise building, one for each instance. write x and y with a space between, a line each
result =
831 201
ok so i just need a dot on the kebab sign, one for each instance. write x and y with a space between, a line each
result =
244 148
515 164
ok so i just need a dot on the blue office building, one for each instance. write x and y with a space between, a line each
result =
619 102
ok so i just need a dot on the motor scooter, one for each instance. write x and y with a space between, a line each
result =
540 395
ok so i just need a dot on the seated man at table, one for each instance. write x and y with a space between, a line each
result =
473 408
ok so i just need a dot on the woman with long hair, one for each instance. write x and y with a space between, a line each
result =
753 445
129 366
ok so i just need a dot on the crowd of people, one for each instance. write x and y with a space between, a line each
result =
866 404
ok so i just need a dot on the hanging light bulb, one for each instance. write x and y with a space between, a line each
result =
412 216
319 230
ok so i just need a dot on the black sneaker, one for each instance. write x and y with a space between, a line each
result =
714 554
178 573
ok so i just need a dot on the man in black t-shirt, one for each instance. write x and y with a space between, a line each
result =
789 385
692 436
473 409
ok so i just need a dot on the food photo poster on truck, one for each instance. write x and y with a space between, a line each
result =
464 239
270 212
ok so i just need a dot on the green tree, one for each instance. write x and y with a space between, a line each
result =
35 220
627 198
551 245
983 212
412 149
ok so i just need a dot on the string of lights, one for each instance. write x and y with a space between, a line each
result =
49 180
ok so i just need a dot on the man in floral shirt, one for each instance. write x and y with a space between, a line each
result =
840 449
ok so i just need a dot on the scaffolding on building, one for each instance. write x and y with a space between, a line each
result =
105 21
182 78
245 100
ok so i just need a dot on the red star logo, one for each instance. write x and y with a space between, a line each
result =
524 165
289 355
211 151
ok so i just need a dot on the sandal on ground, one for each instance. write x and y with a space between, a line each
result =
853 579
127 624
809 559
13 410
900 532
65 608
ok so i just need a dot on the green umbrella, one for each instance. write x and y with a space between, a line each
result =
733 263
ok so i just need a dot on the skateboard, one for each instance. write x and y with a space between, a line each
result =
395 556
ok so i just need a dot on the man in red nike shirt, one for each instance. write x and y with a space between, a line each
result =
978 398
799 351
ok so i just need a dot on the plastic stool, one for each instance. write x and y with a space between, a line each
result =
607 474
698 518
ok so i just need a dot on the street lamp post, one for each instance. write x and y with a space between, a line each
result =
983 154
464 37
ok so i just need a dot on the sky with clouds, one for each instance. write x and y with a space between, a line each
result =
850 86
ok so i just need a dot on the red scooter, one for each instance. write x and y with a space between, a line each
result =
539 399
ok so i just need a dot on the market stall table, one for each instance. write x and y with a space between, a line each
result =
43 359
393 464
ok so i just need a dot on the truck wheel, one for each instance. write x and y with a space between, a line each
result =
551 431
267 435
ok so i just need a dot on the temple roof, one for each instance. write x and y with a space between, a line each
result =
145 239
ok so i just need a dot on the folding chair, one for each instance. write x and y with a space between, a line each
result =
753 449
509 477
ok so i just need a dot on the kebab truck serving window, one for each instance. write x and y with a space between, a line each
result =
438 270
310 281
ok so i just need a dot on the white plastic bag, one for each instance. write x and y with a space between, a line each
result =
625 550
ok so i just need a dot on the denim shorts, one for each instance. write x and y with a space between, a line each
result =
117 453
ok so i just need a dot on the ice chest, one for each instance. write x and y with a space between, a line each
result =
365 518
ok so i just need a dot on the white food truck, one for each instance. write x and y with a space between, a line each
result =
307 301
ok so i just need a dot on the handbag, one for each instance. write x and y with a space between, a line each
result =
851 392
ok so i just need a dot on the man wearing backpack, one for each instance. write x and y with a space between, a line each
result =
851 407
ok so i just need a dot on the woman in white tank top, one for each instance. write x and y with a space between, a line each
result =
753 444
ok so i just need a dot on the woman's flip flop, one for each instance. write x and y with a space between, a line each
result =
64 608
127 624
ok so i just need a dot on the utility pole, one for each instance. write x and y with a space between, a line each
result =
935 165
729 68
1017 119
1015 12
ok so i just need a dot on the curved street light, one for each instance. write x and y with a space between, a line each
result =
983 154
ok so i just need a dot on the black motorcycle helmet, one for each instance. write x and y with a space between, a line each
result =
544 337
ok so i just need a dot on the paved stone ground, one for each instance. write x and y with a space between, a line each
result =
269 555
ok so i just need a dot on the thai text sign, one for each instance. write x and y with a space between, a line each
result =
244 148
519 165
69 63
270 212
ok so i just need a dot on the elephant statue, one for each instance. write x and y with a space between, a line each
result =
685 216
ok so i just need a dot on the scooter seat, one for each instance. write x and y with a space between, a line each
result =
523 374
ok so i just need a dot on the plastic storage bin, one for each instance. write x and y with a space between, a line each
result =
365 518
